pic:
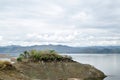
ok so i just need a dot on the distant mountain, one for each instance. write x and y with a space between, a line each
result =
61 49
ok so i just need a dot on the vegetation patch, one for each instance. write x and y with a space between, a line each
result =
45 56
6 65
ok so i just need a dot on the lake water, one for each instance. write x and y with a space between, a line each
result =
108 63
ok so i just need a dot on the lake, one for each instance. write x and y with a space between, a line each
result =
108 63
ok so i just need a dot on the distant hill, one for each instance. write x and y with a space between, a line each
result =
61 49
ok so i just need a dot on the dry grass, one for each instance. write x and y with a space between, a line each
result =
9 72
6 65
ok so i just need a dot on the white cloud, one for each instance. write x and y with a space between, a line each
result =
53 10
1 38
60 37
72 2
81 16
69 22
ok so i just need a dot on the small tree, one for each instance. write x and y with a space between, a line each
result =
19 59
26 54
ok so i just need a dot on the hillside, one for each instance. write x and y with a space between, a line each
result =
52 71
10 72
12 75
62 49
60 71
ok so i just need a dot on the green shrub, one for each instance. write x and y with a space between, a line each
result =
19 59
45 55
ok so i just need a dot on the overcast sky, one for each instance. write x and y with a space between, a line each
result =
67 22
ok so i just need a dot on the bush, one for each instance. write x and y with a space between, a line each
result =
19 59
46 56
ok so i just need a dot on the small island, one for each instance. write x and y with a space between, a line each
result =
47 65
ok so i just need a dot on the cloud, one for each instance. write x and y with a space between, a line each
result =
1 38
82 17
52 37
68 22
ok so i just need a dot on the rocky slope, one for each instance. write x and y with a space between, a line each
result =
9 72
59 71
51 71
12 75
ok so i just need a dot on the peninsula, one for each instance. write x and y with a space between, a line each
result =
47 65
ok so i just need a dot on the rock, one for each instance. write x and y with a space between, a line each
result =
60 71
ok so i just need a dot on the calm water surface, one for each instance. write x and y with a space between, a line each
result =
108 63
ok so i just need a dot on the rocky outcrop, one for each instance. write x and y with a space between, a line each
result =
9 72
59 71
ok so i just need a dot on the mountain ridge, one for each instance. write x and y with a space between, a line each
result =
61 49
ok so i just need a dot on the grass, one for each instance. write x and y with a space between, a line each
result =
44 55
6 65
